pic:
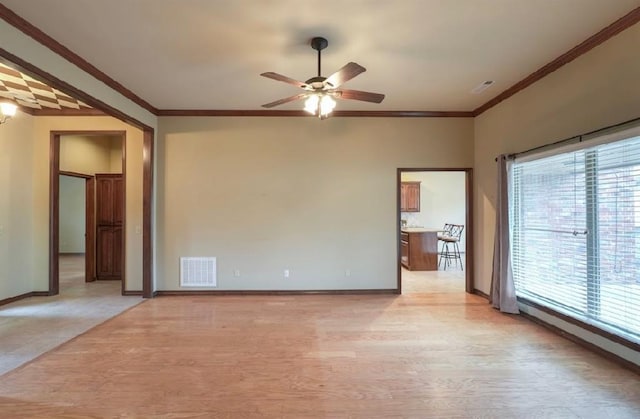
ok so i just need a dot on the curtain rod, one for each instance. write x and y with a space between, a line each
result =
578 137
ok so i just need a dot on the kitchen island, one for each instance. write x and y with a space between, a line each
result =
419 248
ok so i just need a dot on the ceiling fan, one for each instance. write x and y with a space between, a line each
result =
321 91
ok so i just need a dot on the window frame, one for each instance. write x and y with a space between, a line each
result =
593 288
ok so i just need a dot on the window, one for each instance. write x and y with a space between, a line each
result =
575 233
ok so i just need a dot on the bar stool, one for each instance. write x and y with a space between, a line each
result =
450 248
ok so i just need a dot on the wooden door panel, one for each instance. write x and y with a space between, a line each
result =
118 200
117 261
104 201
110 210
104 262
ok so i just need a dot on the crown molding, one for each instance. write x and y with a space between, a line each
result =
67 112
28 29
605 34
301 113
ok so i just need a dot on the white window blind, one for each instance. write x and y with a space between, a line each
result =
575 234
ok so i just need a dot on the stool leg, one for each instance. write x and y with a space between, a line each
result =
458 256
446 255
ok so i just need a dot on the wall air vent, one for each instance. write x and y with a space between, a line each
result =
198 272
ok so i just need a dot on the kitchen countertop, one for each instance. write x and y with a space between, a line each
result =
420 230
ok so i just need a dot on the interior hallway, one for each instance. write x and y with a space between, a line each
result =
33 326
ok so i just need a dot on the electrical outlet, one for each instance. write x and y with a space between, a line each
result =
236 273
347 272
286 273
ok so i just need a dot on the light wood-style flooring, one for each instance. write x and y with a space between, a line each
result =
434 352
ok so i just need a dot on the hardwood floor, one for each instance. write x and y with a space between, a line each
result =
424 354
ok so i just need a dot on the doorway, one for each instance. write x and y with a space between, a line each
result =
427 199
86 155
77 229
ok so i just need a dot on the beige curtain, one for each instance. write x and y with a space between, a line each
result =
503 291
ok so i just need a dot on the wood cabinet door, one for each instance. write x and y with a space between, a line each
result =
410 196
404 254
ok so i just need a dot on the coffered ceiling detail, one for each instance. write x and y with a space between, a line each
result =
31 93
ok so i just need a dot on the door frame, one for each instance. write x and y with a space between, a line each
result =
54 206
89 225
148 133
469 257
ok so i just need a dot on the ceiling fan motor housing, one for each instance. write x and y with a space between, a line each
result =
318 82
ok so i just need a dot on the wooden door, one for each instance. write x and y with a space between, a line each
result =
109 220
109 257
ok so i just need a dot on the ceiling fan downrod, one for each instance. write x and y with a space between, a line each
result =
319 43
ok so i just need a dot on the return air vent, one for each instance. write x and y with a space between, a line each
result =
198 272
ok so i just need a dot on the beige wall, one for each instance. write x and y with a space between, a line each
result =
90 154
133 236
115 155
315 197
598 89
16 206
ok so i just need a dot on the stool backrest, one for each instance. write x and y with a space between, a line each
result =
446 231
455 231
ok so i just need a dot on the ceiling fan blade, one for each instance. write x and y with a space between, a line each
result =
360 95
285 100
345 74
280 77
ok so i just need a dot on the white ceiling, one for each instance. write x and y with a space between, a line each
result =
425 55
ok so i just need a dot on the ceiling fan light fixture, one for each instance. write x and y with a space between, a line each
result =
7 110
311 104
320 105
320 92
326 105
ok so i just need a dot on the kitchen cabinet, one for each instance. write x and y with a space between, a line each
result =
410 196
419 249
404 249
